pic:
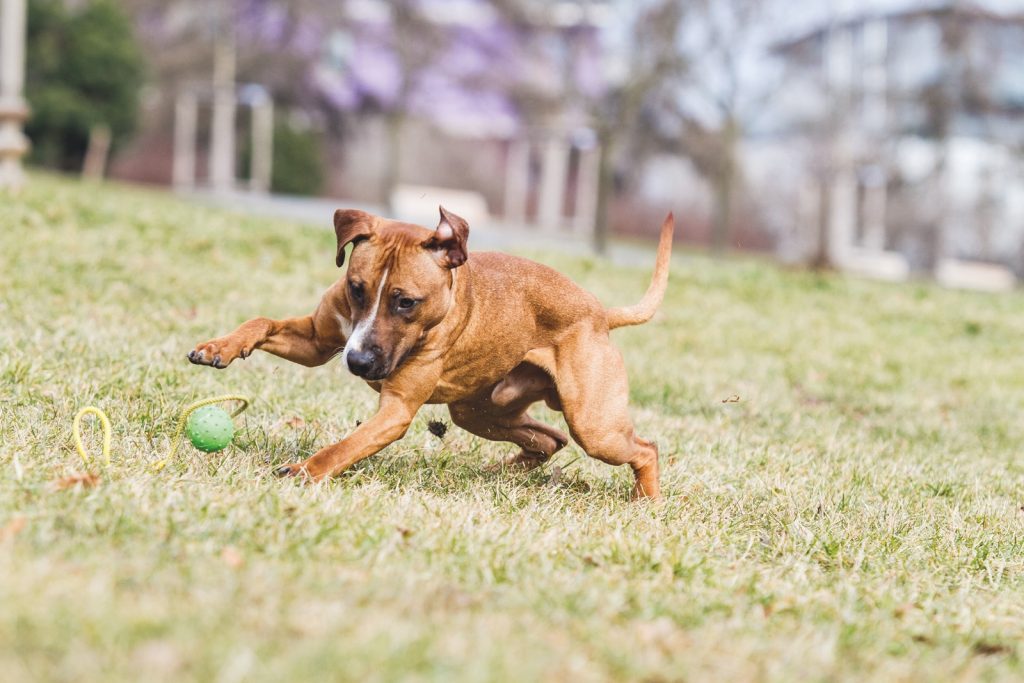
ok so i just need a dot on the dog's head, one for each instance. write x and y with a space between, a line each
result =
399 284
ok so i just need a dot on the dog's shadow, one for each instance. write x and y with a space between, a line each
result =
458 469
443 465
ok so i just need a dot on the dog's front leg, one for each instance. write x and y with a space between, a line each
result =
401 396
309 340
294 339
389 424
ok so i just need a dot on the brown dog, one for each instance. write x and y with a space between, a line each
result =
423 321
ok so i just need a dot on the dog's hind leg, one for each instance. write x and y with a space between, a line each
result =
537 440
506 419
591 381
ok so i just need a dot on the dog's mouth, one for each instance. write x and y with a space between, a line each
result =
375 376
374 371
384 370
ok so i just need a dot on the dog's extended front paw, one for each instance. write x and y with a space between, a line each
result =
217 353
289 470
303 470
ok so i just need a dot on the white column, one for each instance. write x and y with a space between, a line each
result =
803 241
942 206
517 181
262 145
186 113
873 211
586 191
222 142
842 211
13 110
554 169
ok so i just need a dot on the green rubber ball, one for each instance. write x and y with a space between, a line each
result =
210 429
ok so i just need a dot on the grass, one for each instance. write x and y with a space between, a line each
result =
857 513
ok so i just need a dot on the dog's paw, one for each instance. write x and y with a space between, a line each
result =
217 353
302 470
290 470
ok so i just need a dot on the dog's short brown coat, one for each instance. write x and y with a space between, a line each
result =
488 334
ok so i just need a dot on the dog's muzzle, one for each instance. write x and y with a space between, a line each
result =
367 364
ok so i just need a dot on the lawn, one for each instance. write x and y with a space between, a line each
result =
844 497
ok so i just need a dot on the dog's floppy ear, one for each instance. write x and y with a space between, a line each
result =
350 225
448 243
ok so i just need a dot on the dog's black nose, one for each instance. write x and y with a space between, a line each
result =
361 363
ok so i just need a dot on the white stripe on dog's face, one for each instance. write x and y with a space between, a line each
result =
345 325
363 327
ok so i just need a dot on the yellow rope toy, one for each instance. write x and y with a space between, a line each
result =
76 432
178 432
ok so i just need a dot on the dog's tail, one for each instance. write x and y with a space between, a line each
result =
645 309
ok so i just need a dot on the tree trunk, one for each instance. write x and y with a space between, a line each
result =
724 183
95 166
722 222
822 259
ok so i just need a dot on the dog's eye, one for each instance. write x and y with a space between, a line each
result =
404 303
357 291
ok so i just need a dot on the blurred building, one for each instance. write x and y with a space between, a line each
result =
905 125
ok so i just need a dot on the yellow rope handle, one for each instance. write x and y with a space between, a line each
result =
77 434
183 420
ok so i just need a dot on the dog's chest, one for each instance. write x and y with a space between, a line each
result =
467 376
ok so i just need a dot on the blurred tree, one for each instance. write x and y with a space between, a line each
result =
654 65
649 65
711 107
414 43
84 73
958 93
